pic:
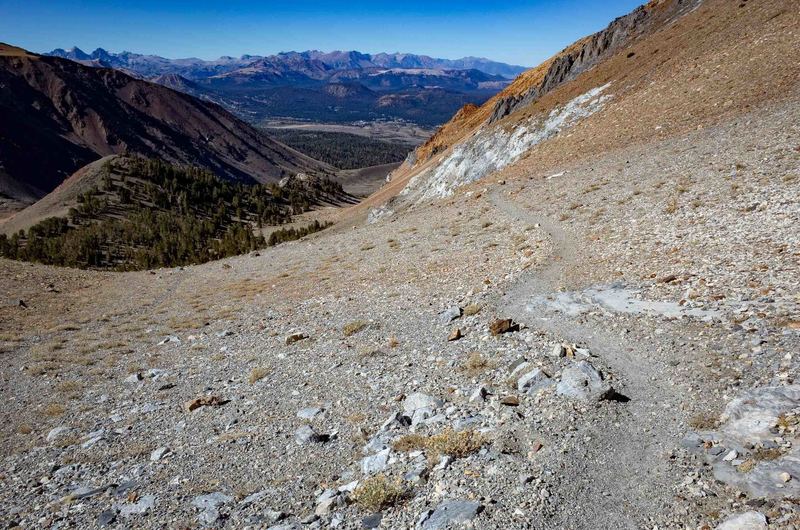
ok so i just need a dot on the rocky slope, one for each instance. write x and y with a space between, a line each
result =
60 115
564 66
601 332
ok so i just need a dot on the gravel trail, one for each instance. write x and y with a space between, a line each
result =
623 474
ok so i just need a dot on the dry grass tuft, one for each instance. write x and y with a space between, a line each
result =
70 386
457 444
762 454
476 364
471 310
354 327
672 206
747 466
54 409
257 374
703 421
410 442
377 493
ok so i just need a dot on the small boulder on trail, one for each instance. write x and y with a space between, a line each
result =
502 325
450 314
583 381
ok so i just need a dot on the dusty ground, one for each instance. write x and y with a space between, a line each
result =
730 242
664 259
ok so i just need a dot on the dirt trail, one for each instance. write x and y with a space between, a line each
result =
621 474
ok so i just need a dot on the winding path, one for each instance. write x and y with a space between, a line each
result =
621 476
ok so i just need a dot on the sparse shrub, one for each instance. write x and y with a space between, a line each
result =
393 342
764 453
54 409
257 374
457 444
476 364
410 442
377 493
746 466
471 310
354 327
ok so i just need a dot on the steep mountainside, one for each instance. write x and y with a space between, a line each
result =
611 70
564 66
59 115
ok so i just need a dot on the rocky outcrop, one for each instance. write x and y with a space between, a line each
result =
493 148
589 51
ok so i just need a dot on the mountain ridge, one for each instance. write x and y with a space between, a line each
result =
61 115
255 87
150 65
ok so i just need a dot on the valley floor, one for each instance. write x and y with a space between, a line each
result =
389 131
99 367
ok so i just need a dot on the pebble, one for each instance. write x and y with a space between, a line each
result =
306 435
159 453
450 314
448 514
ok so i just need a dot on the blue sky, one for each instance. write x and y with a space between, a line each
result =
521 32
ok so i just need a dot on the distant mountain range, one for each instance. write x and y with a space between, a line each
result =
193 68
340 86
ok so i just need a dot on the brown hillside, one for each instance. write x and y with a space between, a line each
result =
59 115
562 67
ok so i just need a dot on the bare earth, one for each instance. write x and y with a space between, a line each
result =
654 275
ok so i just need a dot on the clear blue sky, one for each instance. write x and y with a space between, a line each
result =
521 32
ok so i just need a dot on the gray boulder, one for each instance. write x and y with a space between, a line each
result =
418 401
375 463
533 381
449 513
744 521
583 381
306 435
450 314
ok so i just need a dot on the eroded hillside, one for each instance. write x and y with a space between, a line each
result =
599 332
60 115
